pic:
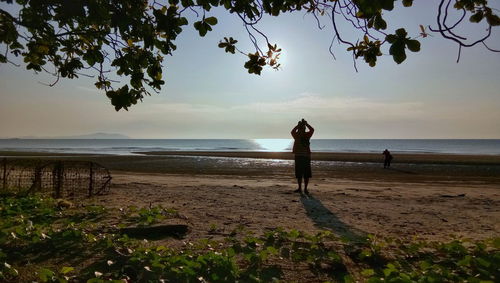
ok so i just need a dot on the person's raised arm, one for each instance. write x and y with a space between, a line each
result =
311 129
294 131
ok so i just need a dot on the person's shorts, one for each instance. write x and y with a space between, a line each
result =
303 166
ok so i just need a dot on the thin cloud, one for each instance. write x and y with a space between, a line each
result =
343 108
88 89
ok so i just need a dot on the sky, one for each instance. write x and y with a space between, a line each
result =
208 93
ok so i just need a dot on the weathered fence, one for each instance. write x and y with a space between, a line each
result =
61 179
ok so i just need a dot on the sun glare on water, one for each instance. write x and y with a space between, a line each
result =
274 144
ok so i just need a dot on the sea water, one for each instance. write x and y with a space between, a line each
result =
134 146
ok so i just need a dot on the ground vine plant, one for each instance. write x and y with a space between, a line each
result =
123 43
44 240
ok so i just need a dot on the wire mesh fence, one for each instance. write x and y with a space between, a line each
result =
61 179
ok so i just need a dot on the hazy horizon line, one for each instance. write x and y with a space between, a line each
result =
133 138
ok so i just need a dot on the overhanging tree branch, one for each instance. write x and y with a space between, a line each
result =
129 38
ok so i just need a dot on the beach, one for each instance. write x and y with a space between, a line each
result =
435 197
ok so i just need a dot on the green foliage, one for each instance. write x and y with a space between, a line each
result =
74 36
455 261
480 11
407 3
130 38
228 45
95 209
255 63
63 276
7 272
148 216
377 22
241 257
205 25
367 49
399 42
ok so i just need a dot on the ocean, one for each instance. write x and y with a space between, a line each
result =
133 146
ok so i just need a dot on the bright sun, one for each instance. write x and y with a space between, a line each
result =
274 144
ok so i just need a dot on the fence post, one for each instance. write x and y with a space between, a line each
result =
38 176
54 177
4 173
57 176
91 176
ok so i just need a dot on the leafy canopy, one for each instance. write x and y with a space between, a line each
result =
130 38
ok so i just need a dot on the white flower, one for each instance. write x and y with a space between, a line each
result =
97 274
110 262
147 268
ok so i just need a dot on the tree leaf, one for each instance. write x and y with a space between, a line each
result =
477 17
379 22
391 38
407 3
66 269
397 50
211 21
368 272
401 32
182 21
493 20
413 45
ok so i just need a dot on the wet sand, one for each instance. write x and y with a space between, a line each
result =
431 196
346 157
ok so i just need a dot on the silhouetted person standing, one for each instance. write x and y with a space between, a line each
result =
387 158
302 151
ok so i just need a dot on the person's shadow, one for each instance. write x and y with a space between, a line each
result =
325 219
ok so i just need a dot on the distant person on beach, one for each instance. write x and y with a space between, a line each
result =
302 151
387 158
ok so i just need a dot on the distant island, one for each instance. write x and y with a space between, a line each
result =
94 136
